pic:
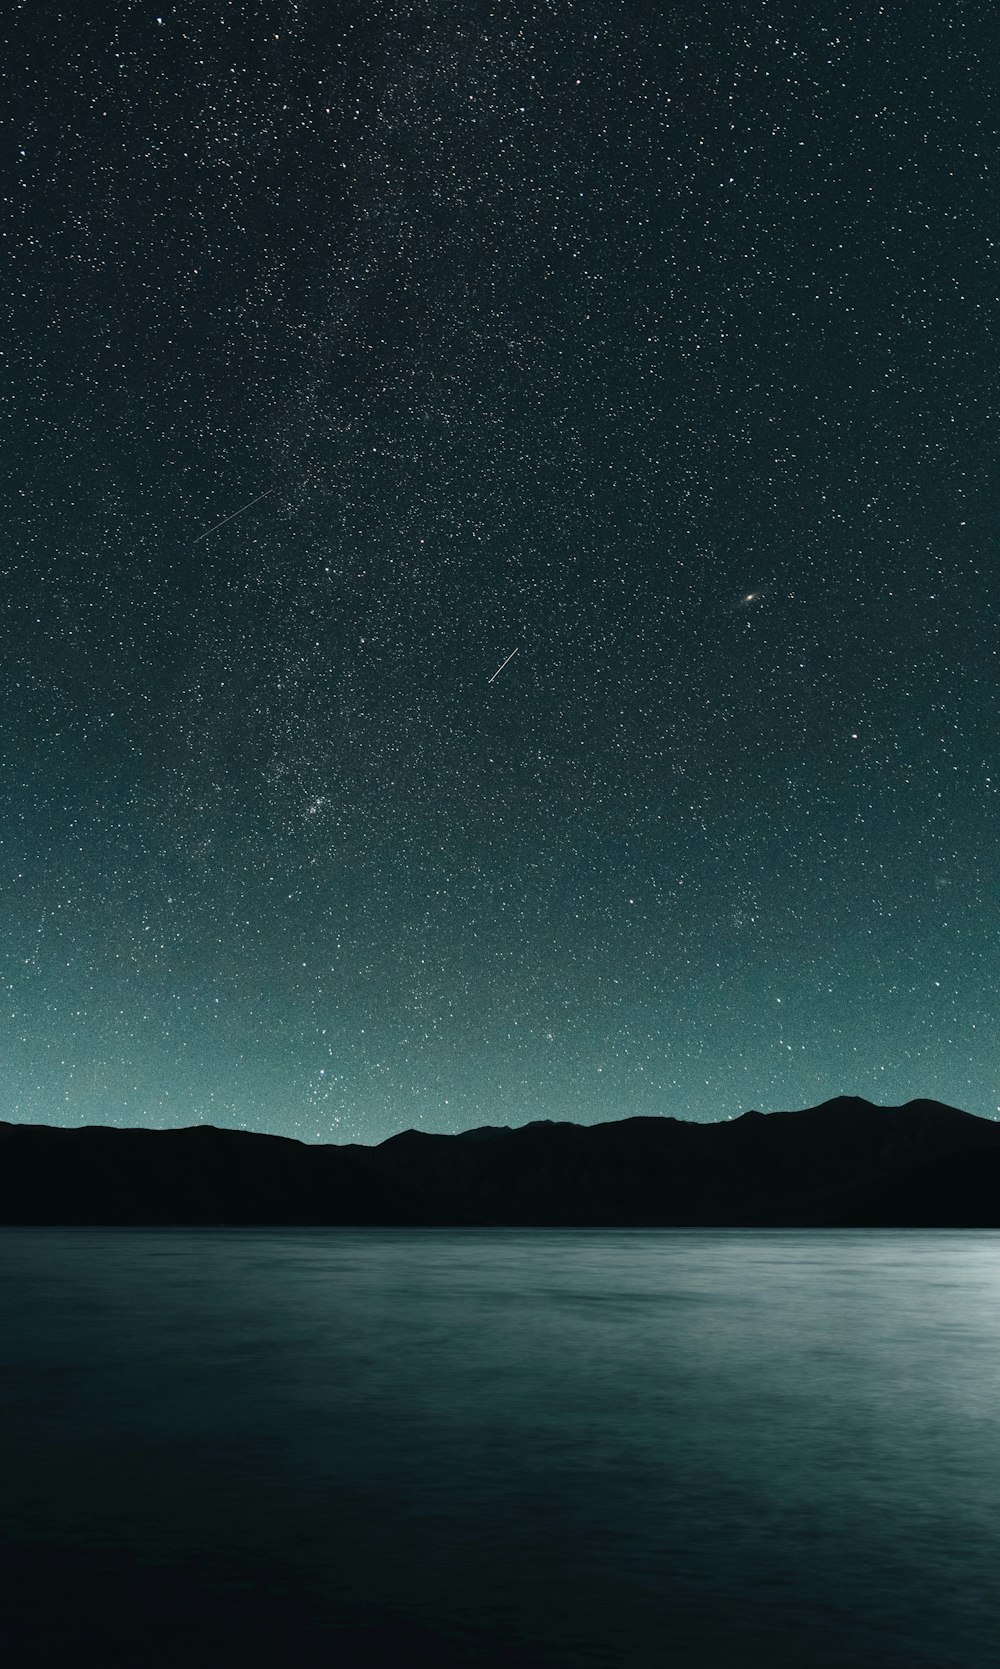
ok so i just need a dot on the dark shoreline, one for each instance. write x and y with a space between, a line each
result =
845 1164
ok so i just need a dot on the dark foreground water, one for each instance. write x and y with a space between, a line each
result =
343 1447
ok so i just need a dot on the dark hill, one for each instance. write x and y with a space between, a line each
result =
198 1175
846 1162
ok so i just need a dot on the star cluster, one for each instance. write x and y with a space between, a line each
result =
351 350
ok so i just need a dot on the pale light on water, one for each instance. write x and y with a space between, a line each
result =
485 1447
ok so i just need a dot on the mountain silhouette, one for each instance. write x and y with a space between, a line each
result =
845 1163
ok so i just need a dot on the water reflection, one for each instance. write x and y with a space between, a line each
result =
541 1447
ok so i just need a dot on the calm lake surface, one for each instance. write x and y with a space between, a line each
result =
696 1448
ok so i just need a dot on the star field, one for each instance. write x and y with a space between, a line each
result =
351 350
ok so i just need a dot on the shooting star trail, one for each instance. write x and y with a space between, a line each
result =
231 518
500 668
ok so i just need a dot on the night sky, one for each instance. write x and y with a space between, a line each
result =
653 346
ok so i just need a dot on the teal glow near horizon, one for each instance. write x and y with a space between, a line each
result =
501 527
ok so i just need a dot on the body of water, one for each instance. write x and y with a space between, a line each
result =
683 1449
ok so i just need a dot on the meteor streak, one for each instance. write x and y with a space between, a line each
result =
232 517
500 668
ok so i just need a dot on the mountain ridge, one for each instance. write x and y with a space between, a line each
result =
846 1162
